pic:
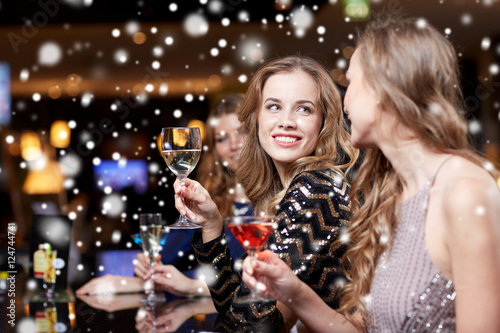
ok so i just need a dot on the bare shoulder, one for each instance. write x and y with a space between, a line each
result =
468 192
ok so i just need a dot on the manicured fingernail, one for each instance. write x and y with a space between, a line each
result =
154 277
252 281
260 286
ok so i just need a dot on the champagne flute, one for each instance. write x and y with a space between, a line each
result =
136 237
151 235
252 232
181 150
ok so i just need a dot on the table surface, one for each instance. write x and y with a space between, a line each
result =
121 313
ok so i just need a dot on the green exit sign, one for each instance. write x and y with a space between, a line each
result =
357 9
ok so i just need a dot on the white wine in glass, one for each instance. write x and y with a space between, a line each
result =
181 150
151 236
151 230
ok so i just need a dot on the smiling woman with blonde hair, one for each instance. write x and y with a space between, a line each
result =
293 165
336 154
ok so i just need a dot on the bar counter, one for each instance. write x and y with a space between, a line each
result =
121 313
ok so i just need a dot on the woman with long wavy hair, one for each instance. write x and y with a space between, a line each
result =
425 234
293 165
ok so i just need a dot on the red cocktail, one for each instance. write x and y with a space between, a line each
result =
252 232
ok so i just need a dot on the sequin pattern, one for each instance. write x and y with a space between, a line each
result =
311 215
435 311
408 293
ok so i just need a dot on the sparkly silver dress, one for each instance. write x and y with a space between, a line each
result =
409 293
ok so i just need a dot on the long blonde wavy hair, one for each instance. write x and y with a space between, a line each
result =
216 178
256 171
414 71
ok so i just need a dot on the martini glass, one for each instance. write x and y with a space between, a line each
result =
181 150
252 232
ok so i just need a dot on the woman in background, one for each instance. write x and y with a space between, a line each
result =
216 172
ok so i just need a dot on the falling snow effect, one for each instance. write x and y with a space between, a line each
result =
196 25
111 132
49 54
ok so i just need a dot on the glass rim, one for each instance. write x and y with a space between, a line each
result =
249 219
151 219
179 127
149 214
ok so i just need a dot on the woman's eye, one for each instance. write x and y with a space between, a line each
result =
219 140
273 107
304 109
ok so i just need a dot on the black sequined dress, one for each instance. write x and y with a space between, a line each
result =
312 216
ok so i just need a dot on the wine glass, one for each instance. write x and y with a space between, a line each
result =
252 232
151 230
181 150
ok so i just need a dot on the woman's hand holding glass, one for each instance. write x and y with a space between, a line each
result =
194 201
273 276
142 264
170 279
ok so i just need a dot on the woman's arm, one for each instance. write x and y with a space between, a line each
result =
271 275
112 284
472 217
312 216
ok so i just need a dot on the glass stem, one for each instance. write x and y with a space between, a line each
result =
152 265
253 255
182 179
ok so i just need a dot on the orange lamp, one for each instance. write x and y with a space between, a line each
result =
31 147
60 134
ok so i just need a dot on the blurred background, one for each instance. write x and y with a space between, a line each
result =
86 85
